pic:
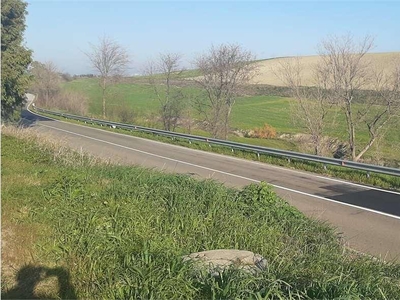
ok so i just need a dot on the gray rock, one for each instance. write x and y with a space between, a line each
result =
216 261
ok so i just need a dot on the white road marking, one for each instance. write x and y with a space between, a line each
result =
225 173
231 157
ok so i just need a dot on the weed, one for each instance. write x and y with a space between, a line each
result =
357 176
121 232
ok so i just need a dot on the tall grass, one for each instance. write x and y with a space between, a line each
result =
71 101
122 233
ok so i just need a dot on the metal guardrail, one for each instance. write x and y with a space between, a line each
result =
258 149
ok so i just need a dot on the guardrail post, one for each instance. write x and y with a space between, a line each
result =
288 160
368 174
258 156
232 150
325 168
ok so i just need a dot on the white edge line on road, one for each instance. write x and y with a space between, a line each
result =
222 172
230 157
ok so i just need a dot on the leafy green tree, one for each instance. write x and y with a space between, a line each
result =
15 58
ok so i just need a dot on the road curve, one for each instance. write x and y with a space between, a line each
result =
369 218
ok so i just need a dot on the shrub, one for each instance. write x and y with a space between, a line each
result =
70 101
122 113
266 132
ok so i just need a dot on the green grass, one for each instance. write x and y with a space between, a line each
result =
139 97
121 232
144 100
248 113
357 176
251 112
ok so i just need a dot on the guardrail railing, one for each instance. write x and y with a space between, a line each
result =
257 149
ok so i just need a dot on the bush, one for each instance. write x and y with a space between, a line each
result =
266 132
122 113
70 101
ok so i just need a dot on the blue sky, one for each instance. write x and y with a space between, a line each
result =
60 31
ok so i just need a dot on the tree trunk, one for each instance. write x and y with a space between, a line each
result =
353 142
350 127
104 98
317 150
371 142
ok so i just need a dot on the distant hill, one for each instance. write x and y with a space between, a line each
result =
380 61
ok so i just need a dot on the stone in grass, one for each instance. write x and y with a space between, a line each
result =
216 261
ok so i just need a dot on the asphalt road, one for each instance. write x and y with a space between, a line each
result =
369 218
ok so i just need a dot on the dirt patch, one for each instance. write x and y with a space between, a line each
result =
24 276
16 251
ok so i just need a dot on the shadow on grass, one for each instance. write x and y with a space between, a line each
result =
28 277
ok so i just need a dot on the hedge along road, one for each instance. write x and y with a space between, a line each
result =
368 217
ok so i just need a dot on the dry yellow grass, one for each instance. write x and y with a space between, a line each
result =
268 68
59 148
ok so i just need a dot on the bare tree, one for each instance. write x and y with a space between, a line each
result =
110 60
161 74
348 76
224 70
47 85
312 105
47 81
348 72
382 106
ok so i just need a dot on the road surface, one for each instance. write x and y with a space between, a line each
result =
369 218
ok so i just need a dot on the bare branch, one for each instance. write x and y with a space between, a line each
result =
109 59
383 106
161 73
312 104
347 71
225 69
47 80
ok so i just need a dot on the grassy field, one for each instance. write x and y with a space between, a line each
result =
98 231
123 93
276 111
248 113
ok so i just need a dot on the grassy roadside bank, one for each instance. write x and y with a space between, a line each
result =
115 232
356 176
